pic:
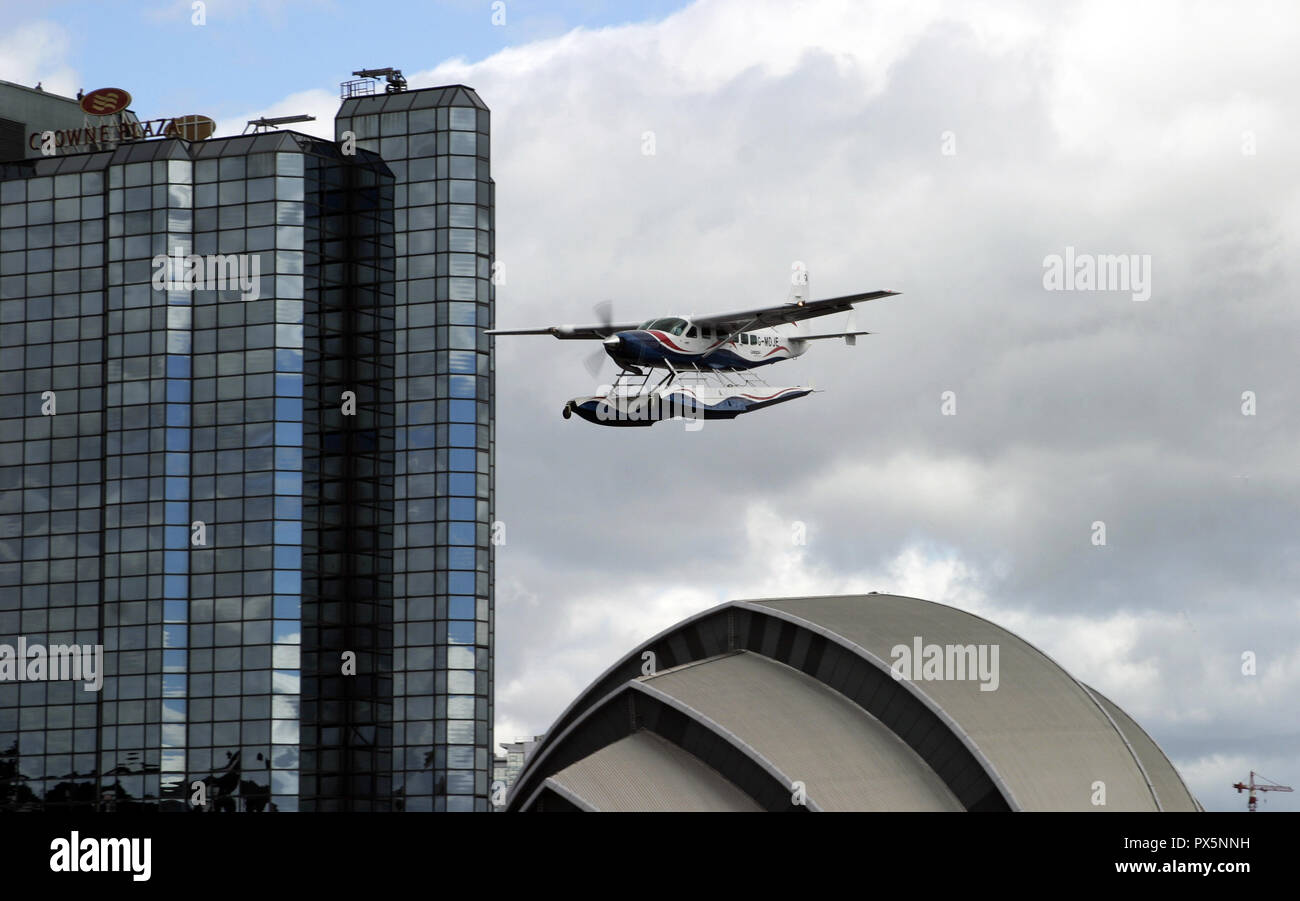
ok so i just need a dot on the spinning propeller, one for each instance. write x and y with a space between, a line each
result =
595 361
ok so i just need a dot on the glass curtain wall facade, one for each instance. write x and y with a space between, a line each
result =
198 498
436 142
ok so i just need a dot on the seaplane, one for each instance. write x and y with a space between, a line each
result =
709 364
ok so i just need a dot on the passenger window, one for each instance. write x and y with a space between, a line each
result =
693 332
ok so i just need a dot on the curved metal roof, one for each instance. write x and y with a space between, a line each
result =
772 692
644 772
1167 785
1047 736
845 758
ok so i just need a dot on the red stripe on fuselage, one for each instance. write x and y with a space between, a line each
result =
663 339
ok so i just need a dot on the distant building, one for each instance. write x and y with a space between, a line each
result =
506 768
872 703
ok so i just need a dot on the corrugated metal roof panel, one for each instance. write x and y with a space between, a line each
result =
846 759
643 772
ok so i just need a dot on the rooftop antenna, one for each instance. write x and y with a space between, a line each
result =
364 84
264 124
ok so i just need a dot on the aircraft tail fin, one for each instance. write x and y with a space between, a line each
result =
798 284
798 293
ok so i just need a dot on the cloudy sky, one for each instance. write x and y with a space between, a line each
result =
945 150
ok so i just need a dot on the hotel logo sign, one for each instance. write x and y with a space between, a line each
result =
105 102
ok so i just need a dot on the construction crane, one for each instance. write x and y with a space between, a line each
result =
1254 786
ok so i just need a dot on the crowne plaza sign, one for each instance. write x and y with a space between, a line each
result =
189 128
110 105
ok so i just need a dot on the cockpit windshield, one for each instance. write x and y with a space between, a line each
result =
671 325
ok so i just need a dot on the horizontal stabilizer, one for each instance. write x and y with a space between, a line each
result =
835 335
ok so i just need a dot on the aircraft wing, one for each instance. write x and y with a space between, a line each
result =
781 314
572 332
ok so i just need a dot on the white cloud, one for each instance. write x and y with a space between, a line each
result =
37 52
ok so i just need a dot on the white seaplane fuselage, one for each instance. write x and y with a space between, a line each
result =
679 344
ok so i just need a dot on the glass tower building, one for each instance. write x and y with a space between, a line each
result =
246 447
436 144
